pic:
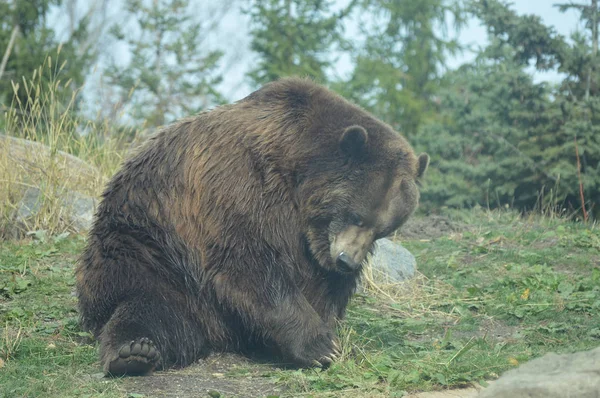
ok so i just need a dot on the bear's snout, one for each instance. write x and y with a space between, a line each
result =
346 263
349 248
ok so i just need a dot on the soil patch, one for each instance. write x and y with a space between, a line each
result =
220 375
429 227
470 392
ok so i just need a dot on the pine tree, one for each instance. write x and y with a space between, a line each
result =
170 74
581 106
33 40
505 139
294 37
484 148
399 65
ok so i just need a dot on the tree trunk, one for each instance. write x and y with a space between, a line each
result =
595 28
11 43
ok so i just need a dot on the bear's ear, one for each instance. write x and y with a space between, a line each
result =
423 164
354 140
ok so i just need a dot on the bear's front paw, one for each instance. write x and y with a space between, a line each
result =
319 348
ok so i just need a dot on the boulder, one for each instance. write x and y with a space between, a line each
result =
46 188
31 157
391 262
78 209
551 376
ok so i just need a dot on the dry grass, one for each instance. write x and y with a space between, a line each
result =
413 298
11 340
49 149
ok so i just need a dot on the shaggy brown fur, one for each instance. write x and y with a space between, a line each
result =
241 226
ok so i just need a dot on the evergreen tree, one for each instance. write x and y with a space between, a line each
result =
522 38
580 101
34 40
484 148
294 37
170 75
505 139
399 65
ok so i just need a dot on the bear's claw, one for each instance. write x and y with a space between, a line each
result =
138 357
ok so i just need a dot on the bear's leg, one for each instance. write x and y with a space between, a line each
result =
148 332
276 308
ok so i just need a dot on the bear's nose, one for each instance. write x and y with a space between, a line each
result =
345 263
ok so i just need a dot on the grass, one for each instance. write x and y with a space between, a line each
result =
500 292
42 349
47 148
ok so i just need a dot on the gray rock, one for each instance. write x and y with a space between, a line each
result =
29 205
82 208
79 208
392 261
70 180
551 376
30 156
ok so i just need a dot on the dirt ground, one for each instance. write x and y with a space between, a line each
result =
230 375
430 227
222 375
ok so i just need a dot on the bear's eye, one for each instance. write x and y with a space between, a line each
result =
355 219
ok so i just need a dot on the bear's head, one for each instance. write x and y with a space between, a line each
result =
362 191
354 179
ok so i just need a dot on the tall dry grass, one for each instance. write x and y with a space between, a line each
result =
48 151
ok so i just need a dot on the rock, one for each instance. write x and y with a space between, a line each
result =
78 208
47 188
29 205
551 376
82 208
392 262
32 157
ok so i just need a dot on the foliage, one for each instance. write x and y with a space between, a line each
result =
399 65
486 109
525 35
504 139
294 37
169 75
34 41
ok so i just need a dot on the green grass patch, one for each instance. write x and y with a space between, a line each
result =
496 293
43 351
501 292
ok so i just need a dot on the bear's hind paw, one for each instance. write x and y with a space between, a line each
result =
136 358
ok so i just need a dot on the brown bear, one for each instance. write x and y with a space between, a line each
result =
244 226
